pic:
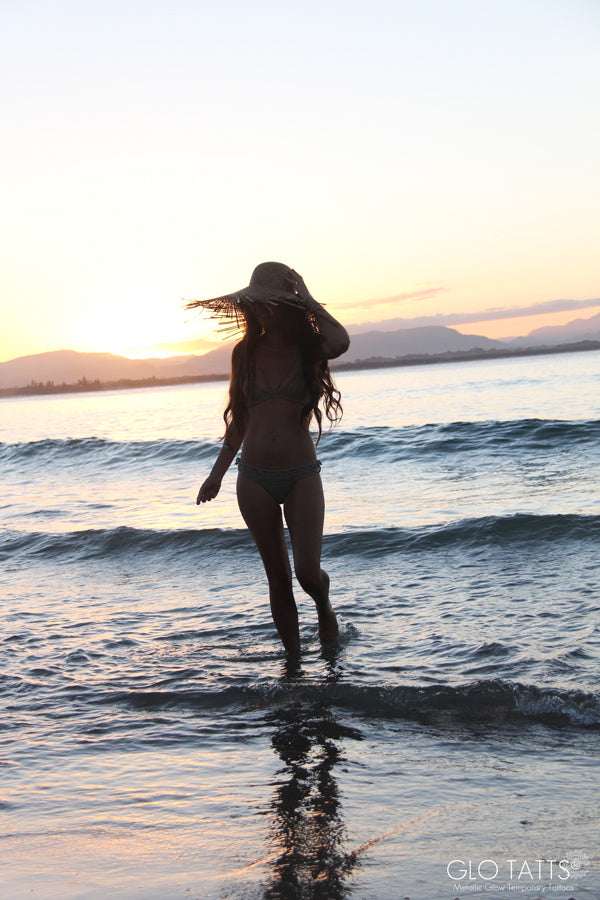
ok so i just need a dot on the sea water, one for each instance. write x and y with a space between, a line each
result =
154 740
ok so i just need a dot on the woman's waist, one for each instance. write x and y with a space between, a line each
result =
278 451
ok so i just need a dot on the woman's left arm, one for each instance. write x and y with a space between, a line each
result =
335 337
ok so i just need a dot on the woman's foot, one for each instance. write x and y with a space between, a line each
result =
328 624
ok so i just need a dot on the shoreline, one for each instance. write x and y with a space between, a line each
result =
421 359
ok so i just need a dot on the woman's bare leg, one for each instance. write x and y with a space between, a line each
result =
263 517
304 513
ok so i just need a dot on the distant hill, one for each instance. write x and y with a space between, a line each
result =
70 367
550 335
428 339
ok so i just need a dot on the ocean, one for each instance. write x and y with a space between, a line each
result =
156 743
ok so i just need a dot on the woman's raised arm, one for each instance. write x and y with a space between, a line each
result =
335 337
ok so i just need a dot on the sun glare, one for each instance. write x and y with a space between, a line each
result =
141 327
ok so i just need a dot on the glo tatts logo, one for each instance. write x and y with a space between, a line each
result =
486 874
578 863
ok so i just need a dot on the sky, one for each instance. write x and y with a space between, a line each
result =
427 161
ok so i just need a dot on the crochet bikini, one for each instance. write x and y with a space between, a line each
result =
292 387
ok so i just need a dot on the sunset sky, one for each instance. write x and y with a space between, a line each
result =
433 158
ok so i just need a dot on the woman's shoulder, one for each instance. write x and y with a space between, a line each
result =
237 350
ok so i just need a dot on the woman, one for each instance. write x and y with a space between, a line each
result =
279 374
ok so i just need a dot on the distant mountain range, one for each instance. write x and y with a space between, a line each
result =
572 332
70 367
407 341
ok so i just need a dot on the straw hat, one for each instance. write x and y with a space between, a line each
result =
270 283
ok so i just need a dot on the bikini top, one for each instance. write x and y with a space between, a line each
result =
292 386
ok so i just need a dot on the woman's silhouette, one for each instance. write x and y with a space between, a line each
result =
279 375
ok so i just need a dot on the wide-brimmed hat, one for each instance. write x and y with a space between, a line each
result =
270 283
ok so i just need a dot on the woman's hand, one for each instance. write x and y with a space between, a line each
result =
299 288
209 490
334 337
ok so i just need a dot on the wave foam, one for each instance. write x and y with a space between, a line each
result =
493 701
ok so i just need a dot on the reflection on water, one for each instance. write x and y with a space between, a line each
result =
308 859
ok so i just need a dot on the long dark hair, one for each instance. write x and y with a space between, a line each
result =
303 330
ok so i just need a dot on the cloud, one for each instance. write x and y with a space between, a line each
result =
423 294
486 315
536 309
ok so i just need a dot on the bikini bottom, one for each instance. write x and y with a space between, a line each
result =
278 482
